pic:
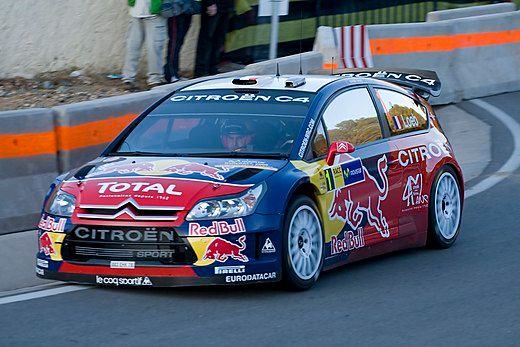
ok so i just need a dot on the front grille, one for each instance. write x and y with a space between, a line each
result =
102 244
129 210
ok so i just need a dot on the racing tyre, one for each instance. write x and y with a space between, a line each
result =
445 209
302 244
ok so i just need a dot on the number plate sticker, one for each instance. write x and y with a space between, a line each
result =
122 264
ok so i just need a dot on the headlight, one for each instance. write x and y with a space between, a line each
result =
63 204
227 208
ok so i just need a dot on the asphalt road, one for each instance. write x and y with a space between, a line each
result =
466 295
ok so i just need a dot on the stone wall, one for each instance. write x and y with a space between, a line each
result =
52 35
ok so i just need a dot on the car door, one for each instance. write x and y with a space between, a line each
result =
408 124
358 188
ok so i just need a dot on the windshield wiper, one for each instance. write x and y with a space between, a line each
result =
145 154
240 155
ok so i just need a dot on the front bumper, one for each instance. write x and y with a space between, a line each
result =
237 258
160 277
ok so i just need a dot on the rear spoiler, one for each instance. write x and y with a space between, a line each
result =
422 82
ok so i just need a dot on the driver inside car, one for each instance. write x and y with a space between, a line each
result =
236 136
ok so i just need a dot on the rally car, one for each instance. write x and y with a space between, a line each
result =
258 179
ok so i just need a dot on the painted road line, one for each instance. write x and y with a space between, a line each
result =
42 293
513 163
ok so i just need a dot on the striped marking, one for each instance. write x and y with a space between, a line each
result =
42 293
91 133
353 46
64 138
181 271
443 43
27 144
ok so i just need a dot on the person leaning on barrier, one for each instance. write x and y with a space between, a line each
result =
178 25
214 22
146 24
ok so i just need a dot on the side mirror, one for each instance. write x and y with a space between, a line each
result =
338 147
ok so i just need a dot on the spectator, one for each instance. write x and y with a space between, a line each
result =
178 26
145 25
214 22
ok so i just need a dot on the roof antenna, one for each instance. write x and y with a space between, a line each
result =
277 70
332 67
301 37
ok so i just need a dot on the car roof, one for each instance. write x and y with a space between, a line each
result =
313 83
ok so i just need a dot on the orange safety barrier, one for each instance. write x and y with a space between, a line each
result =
443 43
27 144
91 133
63 138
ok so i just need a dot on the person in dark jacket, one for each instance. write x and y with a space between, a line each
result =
214 22
178 27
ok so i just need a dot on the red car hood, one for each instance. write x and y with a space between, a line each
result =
158 192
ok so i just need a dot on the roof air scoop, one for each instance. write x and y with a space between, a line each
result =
294 82
245 81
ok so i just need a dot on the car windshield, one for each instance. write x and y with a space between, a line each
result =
226 127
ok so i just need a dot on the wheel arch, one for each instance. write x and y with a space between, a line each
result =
458 175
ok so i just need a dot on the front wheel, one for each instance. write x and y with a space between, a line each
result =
445 209
302 244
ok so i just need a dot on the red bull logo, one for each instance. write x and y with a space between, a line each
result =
49 224
46 244
192 168
127 168
349 202
349 242
217 228
221 250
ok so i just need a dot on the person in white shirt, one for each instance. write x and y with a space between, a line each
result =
146 24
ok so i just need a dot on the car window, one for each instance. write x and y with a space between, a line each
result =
352 117
403 113
319 145
208 135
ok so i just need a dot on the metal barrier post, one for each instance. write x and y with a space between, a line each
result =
275 21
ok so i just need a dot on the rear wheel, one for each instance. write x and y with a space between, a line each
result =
302 244
445 209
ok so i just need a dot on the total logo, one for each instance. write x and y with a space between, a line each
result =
348 243
50 224
116 281
421 153
217 228
142 187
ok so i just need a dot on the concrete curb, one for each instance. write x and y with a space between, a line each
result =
28 165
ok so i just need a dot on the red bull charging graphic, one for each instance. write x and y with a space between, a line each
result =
221 250
350 201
